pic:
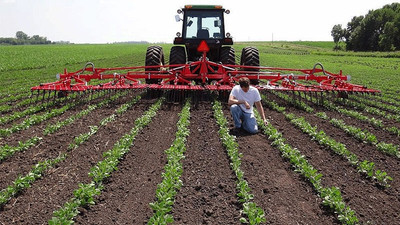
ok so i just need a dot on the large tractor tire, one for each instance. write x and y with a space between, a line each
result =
250 57
154 57
177 55
228 56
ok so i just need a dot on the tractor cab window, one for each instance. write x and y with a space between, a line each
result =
203 24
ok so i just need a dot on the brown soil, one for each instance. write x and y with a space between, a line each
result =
283 194
208 195
373 205
50 147
57 185
128 192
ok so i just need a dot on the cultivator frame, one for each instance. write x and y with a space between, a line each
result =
202 75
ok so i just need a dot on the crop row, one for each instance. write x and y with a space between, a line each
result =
385 99
30 110
351 113
171 183
365 167
36 119
377 104
24 182
362 135
84 196
372 110
330 106
294 101
7 151
354 131
254 213
331 197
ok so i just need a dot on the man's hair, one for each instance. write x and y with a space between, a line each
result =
244 82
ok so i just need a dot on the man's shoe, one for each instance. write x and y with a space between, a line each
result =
235 131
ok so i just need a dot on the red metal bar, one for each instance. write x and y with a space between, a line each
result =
202 75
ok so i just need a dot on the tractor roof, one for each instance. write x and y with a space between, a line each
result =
203 7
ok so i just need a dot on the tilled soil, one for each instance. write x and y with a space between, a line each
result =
373 205
283 194
130 189
36 204
51 146
208 195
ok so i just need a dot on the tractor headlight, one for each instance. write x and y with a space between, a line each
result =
178 34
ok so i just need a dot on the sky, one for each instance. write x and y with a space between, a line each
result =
108 21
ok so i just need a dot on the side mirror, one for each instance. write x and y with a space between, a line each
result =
177 18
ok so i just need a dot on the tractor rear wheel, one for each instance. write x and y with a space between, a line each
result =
250 57
228 56
154 57
177 55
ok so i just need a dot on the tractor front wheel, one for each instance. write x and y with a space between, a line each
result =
154 57
250 57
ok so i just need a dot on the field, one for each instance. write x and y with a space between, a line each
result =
124 158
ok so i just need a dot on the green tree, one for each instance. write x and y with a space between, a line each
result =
338 35
21 35
378 30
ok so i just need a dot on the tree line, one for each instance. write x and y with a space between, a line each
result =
23 39
378 30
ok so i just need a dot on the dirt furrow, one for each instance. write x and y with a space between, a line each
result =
37 130
284 195
381 134
372 204
51 146
208 195
130 189
57 185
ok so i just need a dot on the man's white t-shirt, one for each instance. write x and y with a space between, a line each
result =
250 97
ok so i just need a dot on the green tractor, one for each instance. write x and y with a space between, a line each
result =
201 23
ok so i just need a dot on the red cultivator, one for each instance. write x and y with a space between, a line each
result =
202 60
202 75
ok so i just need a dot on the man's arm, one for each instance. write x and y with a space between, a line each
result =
261 111
232 101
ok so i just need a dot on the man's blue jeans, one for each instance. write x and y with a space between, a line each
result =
245 120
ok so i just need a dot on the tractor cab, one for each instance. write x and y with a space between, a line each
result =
203 22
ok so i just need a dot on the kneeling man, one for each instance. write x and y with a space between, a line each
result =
241 100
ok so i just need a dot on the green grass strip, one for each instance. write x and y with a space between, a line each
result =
171 183
254 214
331 196
84 195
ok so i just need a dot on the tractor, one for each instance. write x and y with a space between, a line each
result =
202 23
